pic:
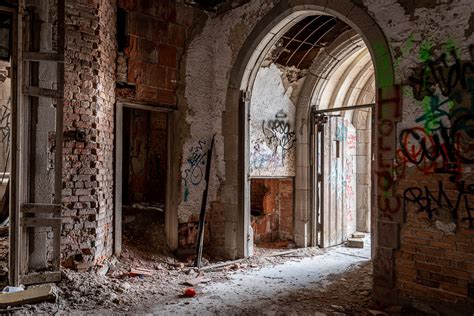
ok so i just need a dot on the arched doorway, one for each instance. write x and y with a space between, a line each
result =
254 51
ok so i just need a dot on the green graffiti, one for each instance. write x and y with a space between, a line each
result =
426 108
450 46
383 65
425 51
404 50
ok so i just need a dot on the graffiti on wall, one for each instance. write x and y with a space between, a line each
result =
272 149
279 135
193 172
440 207
388 113
443 142
5 124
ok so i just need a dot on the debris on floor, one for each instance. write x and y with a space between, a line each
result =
3 261
140 281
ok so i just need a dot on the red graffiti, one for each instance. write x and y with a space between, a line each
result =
388 113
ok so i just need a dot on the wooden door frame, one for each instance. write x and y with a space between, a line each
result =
314 170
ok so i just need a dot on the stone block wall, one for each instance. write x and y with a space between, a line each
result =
89 132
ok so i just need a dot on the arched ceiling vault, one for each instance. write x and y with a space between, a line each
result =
327 48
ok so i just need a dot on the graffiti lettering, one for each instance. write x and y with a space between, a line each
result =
279 135
441 150
194 171
388 114
433 204
439 72
272 148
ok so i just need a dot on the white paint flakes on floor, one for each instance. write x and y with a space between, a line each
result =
262 290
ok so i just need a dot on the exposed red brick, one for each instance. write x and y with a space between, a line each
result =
167 55
138 24
177 35
155 76
88 166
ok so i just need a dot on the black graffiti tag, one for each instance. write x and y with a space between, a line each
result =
439 72
430 202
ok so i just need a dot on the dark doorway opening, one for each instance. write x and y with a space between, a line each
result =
272 220
144 161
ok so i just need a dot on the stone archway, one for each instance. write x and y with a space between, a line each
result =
386 210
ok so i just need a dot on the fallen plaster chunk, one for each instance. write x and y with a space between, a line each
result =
196 281
355 243
29 296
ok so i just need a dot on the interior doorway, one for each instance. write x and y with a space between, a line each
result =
272 214
342 176
142 153
314 63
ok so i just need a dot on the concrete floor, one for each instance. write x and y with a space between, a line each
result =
269 290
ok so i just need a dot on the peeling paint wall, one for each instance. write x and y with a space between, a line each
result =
433 170
407 27
272 125
208 63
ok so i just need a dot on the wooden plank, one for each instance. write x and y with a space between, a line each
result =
40 222
141 271
220 265
30 296
58 159
16 114
56 260
41 208
41 92
37 278
118 179
202 215
42 56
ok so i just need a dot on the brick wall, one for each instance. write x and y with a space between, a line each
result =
155 43
286 209
88 109
435 261
432 263
273 199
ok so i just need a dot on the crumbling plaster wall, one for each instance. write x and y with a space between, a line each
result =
208 62
272 123
406 25
434 256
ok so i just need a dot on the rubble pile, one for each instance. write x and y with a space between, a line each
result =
139 282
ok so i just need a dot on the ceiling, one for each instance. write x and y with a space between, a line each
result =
302 42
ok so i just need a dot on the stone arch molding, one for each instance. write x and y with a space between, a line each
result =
285 14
